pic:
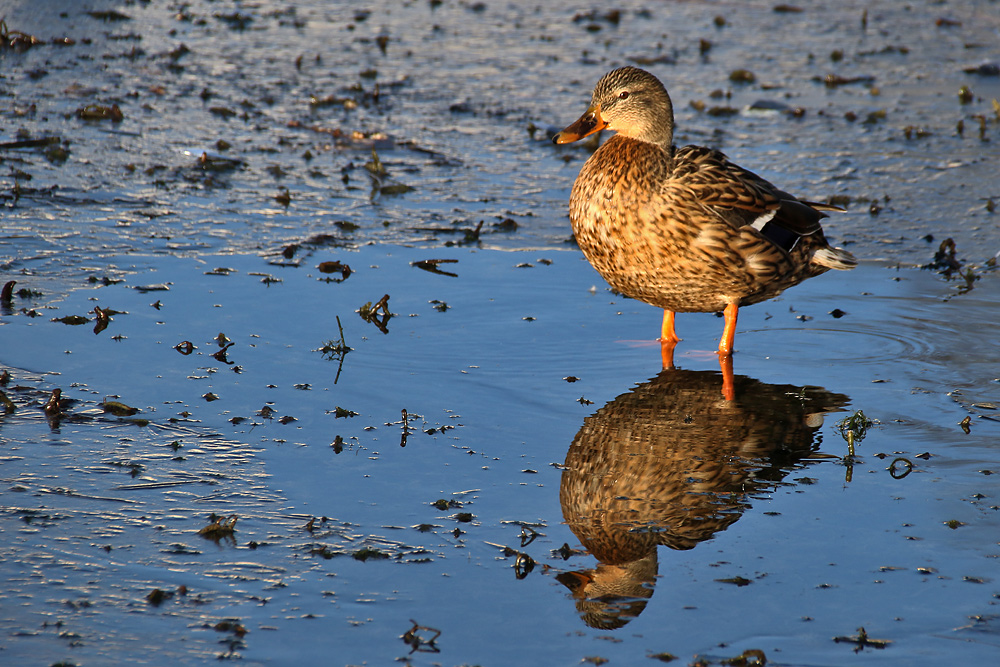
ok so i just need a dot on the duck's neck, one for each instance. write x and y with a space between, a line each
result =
657 126
662 135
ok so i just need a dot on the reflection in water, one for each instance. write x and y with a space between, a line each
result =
673 462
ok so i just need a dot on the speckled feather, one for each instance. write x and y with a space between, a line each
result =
673 226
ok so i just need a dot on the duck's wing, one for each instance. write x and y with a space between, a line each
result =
741 197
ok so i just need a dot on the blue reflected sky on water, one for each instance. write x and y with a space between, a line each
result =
492 418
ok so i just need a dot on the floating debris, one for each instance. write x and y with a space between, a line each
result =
863 641
162 287
445 505
432 265
528 535
370 313
737 580
7 404
944 261
220 527
335 266
220 355
379 174
948 265
984 69
966 424
222 112
854 429
722 111
119 409
103 319
73 320
420 644
157 596
405 423
751 657
742 76
217 163
366 553
54 406
835 80
111 16
523 565
230 626
15 39
41 142
100 112
900 468
336 349
7 293
914 132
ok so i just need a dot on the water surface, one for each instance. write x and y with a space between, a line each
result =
507 463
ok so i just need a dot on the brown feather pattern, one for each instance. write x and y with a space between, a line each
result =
674 226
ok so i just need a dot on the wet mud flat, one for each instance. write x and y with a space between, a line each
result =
511 471
221 127
335 385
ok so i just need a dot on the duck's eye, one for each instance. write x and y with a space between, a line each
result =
623 95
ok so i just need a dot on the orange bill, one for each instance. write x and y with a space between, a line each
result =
586 125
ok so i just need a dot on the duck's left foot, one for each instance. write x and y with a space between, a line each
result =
729 332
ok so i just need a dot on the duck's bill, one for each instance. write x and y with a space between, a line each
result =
575 581
586 125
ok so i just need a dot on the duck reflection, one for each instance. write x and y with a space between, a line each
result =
674 462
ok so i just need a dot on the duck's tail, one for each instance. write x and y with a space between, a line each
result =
834 258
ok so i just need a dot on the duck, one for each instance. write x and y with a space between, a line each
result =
684 228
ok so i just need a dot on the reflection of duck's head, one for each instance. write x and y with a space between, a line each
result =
672 463
609 596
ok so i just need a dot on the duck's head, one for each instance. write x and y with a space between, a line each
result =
629 101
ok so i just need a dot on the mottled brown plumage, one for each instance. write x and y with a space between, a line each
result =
685 229
672 463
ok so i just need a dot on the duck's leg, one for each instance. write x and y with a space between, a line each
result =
667 353
729 332
728 386
667 332
668 339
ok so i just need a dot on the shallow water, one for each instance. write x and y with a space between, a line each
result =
724 526
103 511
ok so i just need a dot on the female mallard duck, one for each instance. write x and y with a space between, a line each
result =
685 229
